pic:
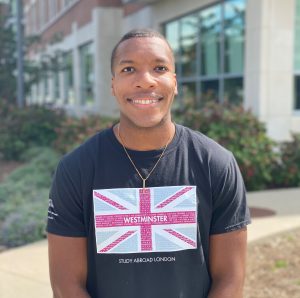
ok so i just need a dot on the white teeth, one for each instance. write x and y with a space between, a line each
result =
144 101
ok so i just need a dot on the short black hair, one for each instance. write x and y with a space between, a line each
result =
136 33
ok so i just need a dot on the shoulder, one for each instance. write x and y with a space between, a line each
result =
87 151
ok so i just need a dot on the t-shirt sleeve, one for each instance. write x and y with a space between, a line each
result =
65 213
230 210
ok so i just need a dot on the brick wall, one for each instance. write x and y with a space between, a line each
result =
132 8
80 13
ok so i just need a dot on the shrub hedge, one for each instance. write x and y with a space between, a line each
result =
239 131
24 199
21 129
286 172
24 193
74 131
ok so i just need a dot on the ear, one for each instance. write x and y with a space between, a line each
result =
175 89
112 88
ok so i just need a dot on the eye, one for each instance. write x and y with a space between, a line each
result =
161 68
128 69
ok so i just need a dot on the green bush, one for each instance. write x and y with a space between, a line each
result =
26 223
37 173
24 198
240 132
74 131
286 172
21 129
5 108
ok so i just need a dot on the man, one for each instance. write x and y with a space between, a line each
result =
147 208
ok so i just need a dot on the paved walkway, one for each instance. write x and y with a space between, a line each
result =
24 270
286 204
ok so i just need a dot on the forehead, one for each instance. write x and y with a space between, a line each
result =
153 48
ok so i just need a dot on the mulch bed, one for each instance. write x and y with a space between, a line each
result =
261 212
273 267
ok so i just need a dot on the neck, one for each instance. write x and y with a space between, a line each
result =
144 139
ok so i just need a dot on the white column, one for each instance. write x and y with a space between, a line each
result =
61 87
269 63
51 96
105 39
76 68
41 93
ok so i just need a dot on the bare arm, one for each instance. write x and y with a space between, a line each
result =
68 266
227 264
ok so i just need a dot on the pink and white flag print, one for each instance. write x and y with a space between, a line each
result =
137 220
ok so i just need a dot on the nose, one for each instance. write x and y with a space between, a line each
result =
145 80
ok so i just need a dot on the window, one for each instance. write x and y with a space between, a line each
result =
297 58
56 86
172 31
209 50
234 32
87 74
233 90
68 78
46 86
297 92
209 91
210 32
188 44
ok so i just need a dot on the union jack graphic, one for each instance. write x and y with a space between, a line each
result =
139 220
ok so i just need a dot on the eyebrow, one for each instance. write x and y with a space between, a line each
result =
126 62
158 60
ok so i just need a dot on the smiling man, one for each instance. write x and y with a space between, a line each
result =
168 200
144 84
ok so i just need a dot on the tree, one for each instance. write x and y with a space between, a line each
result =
8 62
34 71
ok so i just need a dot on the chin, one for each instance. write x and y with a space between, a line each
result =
153 123
146 122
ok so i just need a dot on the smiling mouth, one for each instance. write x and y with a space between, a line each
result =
145 101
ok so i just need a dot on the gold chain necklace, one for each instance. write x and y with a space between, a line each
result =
138 172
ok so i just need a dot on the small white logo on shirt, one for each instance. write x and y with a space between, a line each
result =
51 212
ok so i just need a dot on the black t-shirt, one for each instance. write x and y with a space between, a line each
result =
195 191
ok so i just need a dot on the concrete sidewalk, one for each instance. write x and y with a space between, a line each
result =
285 204
24 270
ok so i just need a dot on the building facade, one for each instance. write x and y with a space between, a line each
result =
238 51
75 41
